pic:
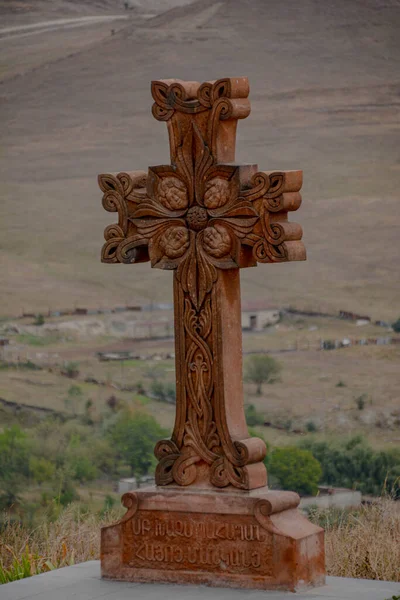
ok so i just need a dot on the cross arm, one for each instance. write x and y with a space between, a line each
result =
273 194
122 193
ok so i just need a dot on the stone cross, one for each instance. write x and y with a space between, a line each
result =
211 519
205 217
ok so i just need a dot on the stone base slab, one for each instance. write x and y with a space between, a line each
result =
255 539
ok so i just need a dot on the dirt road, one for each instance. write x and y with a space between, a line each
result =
19 31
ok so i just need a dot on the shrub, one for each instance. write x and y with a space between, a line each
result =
41 469
112 403
355 465
164 392
396 326
71 370
28 364
311 427
157 390
170 392
140 389
14 464
253 417
295 469
74 398
328 345
39 320
360 401
109 503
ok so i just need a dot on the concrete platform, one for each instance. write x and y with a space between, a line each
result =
83 582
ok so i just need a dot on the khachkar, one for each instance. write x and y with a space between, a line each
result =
210 518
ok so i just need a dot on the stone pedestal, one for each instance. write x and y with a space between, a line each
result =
256 539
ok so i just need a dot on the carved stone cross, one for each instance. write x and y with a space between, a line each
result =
205 217
211 519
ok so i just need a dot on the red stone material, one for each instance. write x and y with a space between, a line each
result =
238 539
204 217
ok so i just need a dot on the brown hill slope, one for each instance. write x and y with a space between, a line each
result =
325 92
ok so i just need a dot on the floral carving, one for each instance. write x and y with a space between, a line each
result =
175 241
217 193
188 235
172 193
197 216
217 241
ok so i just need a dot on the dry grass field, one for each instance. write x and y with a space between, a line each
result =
316 386
75 102
361 544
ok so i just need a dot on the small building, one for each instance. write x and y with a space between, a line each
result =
332 497
130 483
257 320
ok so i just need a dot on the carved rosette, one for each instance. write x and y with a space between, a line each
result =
197 216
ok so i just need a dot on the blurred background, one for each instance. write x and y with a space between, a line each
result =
83 344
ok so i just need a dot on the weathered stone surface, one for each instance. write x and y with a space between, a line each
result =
254 539
204 217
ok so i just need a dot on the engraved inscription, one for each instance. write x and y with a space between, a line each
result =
196 555
210 529
220 543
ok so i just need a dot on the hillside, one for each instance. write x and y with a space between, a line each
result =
325 93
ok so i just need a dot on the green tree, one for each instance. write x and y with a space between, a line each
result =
103 455
14 464
78 462
41 469
74 398
134 437
66 492
81 467
261 368
295 469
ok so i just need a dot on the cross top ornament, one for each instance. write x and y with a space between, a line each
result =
204 217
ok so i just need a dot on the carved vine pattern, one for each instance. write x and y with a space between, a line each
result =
193 216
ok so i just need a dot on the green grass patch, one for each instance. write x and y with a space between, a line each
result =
132 362
37 340
141 399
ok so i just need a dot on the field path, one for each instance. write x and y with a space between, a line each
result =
18 31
